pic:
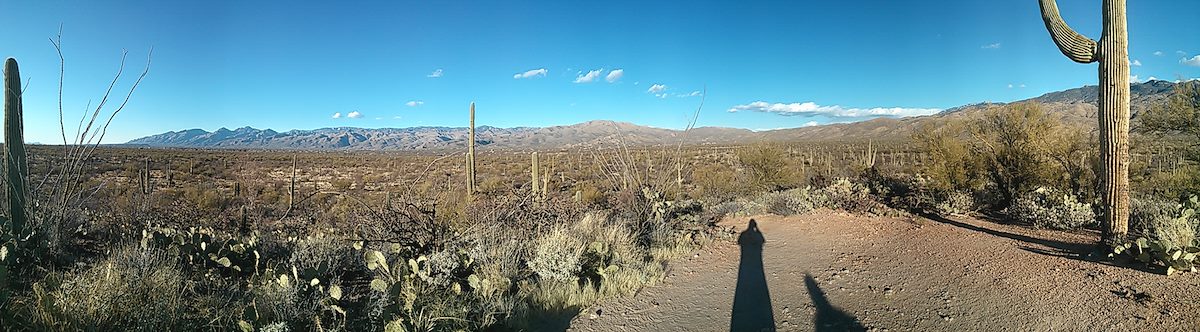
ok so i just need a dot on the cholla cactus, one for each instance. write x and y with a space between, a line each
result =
1112 52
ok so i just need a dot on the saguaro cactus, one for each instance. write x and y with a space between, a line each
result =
534 173
1112 52
471 154
15 169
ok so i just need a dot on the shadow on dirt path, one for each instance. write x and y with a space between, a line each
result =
828 317
751 299
1065 249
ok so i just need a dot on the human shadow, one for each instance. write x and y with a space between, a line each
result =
751 299
828 317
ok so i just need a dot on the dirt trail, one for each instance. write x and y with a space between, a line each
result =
830 271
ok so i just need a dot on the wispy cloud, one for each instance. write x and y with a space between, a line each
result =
354 115
1180 53
1134 79
590 77
435 74
1010 86
1135 63
337 115
690 94
812 109
531 73
414 103
1158 53
614 75
397 117
990 46
810 124
656 88
1193 61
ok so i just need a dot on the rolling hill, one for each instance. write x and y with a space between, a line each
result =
1075 105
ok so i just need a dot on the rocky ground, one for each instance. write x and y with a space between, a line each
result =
831 271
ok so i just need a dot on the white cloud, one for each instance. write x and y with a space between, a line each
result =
337 115
1152 78
1022 86
690 94
590 77
614 75
810 124
354 115
1010 86
812 109
1158 53
414 103
435 74
990 46
1180 52
656 88
1194 61
1136 63
378 118
396 117
1134 78
531 73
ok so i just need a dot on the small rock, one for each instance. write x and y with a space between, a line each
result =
596 314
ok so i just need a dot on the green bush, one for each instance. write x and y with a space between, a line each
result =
843 194
790 202
1049 208
955 203
1165 222
767 167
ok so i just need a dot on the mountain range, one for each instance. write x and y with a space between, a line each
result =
1075 105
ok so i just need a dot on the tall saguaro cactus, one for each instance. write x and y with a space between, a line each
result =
534 173
15 169
471 154
1112 52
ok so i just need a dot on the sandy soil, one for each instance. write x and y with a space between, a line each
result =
832 271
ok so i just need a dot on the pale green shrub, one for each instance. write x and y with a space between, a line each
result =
1049 208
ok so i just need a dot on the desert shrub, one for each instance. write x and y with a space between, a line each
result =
901 190
843 194
1050 208
1168 223
950 164
133 289
1011 140
766 166
557 256
717 182
955 203
789 202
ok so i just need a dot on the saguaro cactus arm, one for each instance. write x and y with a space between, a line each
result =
1075 46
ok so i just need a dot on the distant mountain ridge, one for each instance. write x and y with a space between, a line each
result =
1076 105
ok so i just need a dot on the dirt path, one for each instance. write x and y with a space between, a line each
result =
830 271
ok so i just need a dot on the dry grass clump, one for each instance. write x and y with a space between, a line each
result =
133 289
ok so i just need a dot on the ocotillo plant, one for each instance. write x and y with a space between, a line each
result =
471 155
1112 52
534 173
15 169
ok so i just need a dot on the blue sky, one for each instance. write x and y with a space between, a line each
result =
267 65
